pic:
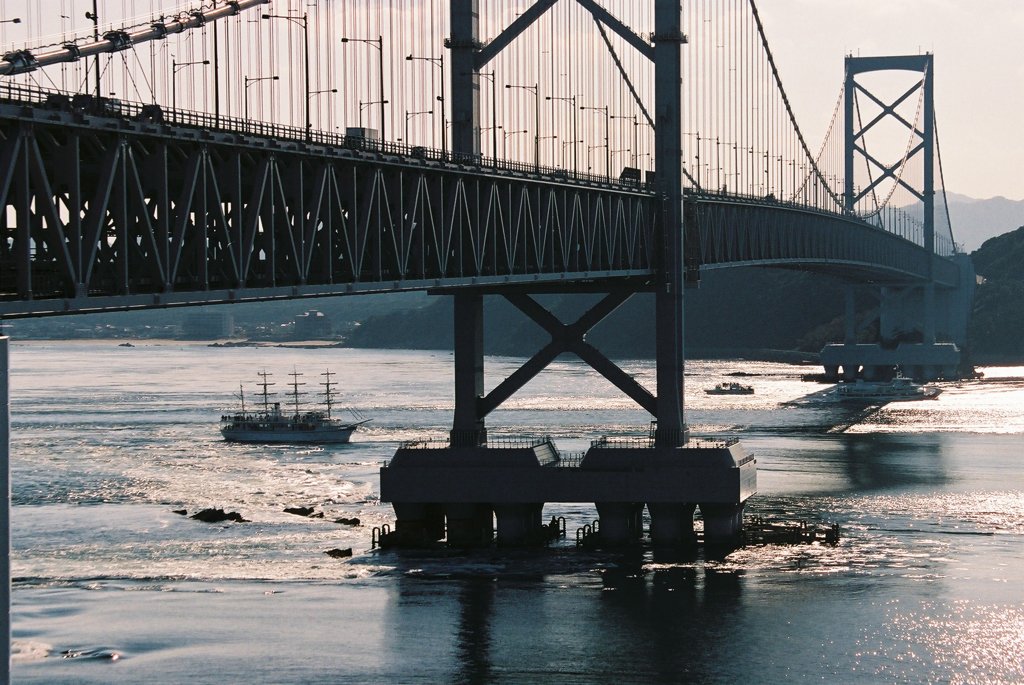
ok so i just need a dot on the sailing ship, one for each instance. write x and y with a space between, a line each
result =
273 425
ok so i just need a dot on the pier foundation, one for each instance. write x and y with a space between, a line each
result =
514 480
872 362
470 524
518 524
672 524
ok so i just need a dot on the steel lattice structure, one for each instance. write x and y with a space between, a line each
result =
734 231
112 212
108 212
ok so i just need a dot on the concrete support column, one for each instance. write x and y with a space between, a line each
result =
518 524
850 319
468 428
672 524
723 524
621 523
470 525
417 523
851 372
465 77
668 37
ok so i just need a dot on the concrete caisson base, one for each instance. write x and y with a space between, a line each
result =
723 524
672 524
518 524
621 523
872 362
514 481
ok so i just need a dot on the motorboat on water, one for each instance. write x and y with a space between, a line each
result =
730 388
899 389
272 425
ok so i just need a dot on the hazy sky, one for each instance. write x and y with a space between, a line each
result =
979 73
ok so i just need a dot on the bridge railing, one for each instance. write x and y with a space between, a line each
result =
89 104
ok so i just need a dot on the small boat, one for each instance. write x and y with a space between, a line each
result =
730 388
272 425
899 389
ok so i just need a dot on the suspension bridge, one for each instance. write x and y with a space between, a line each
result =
246 150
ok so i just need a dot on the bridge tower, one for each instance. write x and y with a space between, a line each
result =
914 317
456 490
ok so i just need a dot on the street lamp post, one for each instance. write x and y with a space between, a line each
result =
309 96
607 145
572 103
504 142
535 89
636 128
379 44
248 82
94 15
411 115
175 68
305 42
364 105
494 112
437 62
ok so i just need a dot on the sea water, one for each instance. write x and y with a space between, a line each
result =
112 586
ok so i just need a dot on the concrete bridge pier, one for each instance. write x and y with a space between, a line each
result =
672 524
418 523
621 523
518 524
469 524
723 524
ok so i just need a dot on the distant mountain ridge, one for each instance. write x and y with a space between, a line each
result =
975 221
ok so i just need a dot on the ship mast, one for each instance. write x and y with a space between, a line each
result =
295 388
328 395
241 397
266 396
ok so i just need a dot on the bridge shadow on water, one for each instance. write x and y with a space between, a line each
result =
566 616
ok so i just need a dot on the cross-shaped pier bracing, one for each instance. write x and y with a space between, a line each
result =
107 203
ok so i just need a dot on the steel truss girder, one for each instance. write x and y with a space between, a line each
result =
735 232
91 214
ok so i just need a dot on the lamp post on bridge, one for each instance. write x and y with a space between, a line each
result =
364 105
696 163
607 145
12 20
248 82
565 144
494 111
504 142
411 115
379 44
94 15
553 137
572 103
305 41
535 89
636 136
437 62
175 68
309 96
